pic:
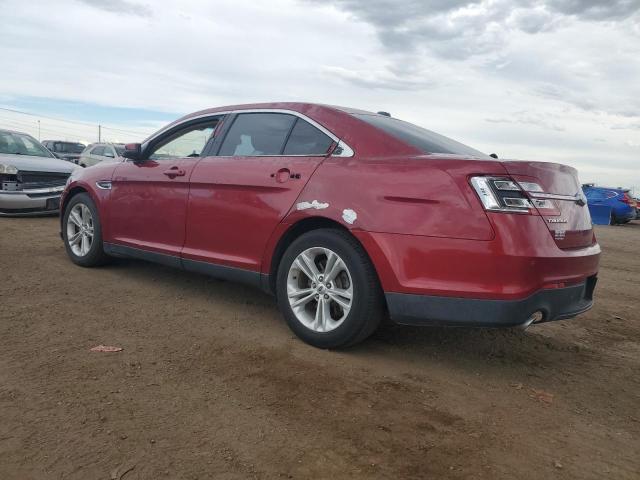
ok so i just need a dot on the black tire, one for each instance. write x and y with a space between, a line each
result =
95 255
368 304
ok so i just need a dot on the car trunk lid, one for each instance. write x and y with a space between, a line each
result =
561 202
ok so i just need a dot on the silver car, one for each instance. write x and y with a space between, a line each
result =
100 152
31 177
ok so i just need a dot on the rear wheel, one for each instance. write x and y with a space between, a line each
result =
328 290
82 232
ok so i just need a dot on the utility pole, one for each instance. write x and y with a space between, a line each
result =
99 133
38 130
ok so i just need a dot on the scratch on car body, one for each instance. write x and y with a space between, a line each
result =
314 204
349 216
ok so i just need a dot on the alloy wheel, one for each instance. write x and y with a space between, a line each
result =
80 229
320 289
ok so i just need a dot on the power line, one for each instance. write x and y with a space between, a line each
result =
84 124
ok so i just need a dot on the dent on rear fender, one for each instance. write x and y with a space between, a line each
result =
399 195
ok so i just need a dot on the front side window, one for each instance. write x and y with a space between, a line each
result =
21 144
305 139
189 142
256 134
421 138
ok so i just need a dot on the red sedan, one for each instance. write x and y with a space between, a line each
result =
345 216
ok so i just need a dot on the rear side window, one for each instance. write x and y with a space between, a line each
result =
255 134
98 151
305 139
421 138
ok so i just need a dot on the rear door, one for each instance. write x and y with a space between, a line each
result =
148 201
560 202
238 197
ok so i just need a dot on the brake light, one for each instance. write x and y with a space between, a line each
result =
501 194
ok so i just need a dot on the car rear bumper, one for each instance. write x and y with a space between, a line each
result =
552 304
35 202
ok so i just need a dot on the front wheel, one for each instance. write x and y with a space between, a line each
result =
82 232
328 290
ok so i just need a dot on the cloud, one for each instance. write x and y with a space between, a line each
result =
460 29
528 118
123 7
598 10
383 78
536 79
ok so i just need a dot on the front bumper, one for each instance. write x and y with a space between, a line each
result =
30 202
553 304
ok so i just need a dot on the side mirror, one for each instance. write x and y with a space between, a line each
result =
133 151
493 155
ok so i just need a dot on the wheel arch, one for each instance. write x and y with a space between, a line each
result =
76 190
299 228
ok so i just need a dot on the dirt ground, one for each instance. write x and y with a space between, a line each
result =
212 384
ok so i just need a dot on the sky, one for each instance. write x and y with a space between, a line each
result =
549 80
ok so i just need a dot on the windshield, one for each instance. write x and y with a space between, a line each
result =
421 138
119 149
22 144
68 147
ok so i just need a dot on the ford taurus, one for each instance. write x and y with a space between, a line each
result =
346 216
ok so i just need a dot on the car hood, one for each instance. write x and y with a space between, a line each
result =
37 164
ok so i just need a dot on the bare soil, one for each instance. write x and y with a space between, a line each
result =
212 384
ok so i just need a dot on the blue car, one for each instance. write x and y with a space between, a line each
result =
615 205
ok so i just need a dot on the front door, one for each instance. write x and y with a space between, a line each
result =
239 196
148 202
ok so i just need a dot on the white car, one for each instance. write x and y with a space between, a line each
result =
31 177
100 152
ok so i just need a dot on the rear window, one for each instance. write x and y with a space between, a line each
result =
67 147
421 138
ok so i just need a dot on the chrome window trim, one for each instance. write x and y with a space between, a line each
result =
347 151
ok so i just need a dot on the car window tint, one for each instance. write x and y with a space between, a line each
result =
305 139
421 138
255 134
98 151
189 142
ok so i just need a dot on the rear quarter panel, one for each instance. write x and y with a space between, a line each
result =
423 195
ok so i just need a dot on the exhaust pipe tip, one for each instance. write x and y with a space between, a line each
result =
534 318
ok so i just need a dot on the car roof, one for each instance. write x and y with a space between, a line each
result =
295 106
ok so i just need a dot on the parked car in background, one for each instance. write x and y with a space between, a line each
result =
69 151
99 152
31 177
623 206
344 216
